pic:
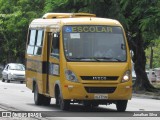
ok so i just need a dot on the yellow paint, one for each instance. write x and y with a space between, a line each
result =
79 68
91 29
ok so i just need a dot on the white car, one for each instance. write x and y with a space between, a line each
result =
13 72
133 77
153 76
133 74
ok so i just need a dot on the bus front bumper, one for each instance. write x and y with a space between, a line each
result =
77 91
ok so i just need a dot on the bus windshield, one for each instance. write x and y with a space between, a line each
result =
94 43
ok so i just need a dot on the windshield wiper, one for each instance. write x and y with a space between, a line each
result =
95 59
83 58
108 58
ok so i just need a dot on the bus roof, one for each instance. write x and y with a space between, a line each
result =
66 15
83 20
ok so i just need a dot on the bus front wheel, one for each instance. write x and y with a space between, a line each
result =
121 105
64 104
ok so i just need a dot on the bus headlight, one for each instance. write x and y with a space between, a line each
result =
71 76
126 76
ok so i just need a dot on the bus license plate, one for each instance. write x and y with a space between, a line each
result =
101 96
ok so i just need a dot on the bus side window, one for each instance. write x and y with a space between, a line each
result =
31 42
55 46
39 43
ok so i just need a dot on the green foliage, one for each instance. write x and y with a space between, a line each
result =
151 22
156 54
58 6
14 20
17 14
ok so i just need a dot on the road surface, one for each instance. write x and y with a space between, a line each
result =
17 97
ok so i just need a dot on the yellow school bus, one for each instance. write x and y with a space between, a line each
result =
78 58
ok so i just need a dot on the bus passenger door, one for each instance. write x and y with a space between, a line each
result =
49 40
53 63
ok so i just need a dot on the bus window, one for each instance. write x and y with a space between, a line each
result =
55 46
31 42
39 42
35 42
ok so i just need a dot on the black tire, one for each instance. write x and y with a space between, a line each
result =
57 101
57 97
64 104
38 98
95 104
46 101
8 81
121 105
87 104
21 82
3 80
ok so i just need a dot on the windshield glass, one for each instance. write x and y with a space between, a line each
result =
16 67
94 43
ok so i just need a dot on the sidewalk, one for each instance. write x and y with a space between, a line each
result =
149 96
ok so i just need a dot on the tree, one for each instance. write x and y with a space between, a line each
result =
65 6
14 26
156 55
135 17
137 12
140 19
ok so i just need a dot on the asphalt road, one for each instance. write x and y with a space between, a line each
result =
16 97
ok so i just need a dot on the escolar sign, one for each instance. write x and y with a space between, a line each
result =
88 29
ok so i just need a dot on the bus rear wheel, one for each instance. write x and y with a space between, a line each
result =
121 105
37 97
40 99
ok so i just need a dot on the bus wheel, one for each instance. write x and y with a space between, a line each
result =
57 101
57 97
38 98
121 105
64 104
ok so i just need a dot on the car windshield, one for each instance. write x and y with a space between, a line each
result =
94 43
17 67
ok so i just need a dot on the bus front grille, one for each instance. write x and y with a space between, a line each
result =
100 89
100 78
